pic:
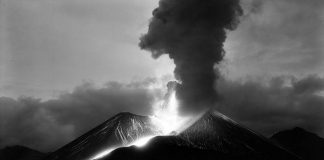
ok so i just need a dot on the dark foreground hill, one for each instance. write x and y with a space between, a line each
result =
307 145
20 153
213 137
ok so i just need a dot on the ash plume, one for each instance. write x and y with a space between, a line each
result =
192 33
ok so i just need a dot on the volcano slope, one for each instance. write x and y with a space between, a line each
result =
120 130
212 137
305 144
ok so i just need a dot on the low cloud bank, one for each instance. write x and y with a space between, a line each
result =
280 103
48 125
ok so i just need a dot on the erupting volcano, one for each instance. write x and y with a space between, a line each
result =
212 136
205 136
126 129
184 124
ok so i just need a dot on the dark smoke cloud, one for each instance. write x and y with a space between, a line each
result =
283 102
48 125
192 33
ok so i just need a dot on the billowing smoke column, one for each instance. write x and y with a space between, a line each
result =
192 33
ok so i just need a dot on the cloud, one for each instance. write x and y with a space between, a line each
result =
50 124
281 103
277 37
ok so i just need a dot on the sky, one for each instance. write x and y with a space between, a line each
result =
63 61
51 46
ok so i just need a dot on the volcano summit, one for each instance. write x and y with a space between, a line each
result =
213 136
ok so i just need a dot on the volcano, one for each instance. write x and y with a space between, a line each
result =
120 130
213 136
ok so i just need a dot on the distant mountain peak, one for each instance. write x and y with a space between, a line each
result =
17 152
299 130
295 133
306 144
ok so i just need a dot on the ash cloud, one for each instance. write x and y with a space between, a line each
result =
283 102
192 33
47 125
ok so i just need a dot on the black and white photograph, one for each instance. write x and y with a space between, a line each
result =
161 80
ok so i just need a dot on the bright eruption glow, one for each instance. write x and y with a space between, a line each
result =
102 154
138 143
166 118
142 141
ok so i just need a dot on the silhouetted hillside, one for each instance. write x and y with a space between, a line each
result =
307 145
20 153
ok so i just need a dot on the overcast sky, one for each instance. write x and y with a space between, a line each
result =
50 46
68 52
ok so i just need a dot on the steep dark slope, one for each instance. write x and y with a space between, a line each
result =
214 136
20 153
119 130
306 144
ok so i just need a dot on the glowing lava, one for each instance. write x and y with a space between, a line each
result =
102 154
138 143
142 141
166 118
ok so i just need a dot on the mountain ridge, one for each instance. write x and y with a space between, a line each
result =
214 135
304 143
20 153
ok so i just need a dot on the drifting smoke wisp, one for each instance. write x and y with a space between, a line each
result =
192 33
